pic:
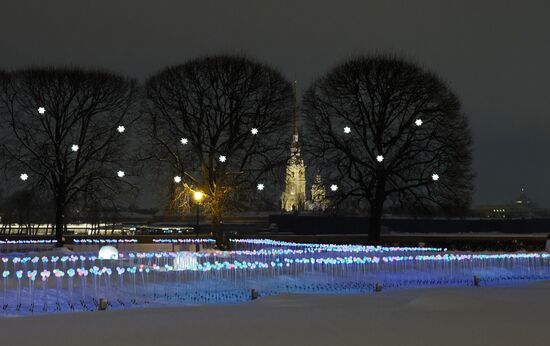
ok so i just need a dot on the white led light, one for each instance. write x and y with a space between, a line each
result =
380 158
347 129
223 158
254 131
435 177
41 110
418 122
184 141
334 187
177 179
24 176
260 187
121 129
120 174
74 148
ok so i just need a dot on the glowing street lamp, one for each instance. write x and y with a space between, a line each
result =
198 197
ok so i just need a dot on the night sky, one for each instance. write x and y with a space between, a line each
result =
494 54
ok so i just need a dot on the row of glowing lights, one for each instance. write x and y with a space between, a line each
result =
223 158
38 241
277 263
337 247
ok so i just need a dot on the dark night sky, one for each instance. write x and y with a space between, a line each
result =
494 54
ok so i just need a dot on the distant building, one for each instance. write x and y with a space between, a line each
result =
520 207
294 196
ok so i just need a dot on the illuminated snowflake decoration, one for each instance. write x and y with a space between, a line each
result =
120 174
334 187
435 177
418 122
260 187
347 130
41 110
121 129
177 179
184 141
24 176
380 158
223 158
74 148
254 131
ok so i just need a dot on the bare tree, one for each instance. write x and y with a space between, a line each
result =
219 123
62 131
394 132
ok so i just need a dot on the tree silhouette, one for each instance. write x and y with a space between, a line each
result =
219 123
393 132
61 128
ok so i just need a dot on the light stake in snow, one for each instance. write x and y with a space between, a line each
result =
379 158
184 141
74 148
24 176
254 131
177 179
347 129
41 110
334 187
121 129
120 174
260 187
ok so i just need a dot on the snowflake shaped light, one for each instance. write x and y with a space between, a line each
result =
418 122
74 148
184 141
24 176
41 110
121 129
177 179
379 158
254 131
120 174
260 187
435 177
347 129
334 187
223 158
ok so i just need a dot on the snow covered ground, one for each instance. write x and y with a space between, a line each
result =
423 317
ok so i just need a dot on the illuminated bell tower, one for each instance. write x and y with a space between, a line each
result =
294 195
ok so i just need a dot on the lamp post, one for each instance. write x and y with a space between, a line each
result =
197 197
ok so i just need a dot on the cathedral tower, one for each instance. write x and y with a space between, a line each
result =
294 195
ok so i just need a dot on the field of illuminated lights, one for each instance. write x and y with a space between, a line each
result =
36 284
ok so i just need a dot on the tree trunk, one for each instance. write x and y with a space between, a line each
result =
59 220
217 231
376 210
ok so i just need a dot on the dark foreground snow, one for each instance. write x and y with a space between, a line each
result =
439 316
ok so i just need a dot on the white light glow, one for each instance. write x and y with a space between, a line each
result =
254 131
108 252
121 129
347 129
380 158
435 177
74 148
41 110
223 158
334 187
177 179
120 174
24 176
260 187
184 141
418 122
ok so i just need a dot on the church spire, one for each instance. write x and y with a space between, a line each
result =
296 132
